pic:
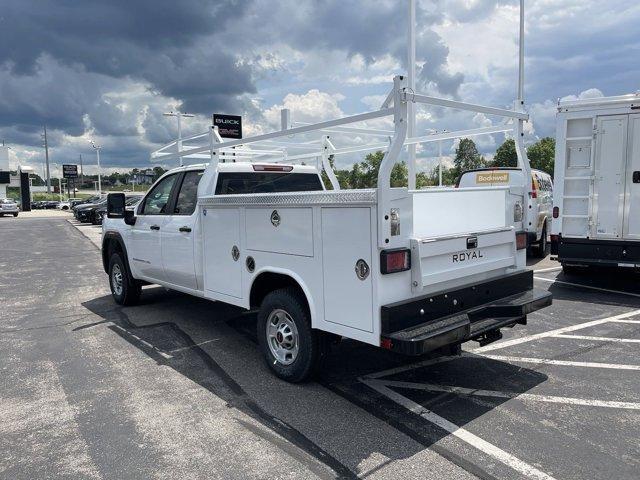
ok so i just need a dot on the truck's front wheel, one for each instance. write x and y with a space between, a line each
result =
125 291
291 348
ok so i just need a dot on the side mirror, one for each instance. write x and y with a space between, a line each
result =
115 205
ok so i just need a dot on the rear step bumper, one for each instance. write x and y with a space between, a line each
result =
449 318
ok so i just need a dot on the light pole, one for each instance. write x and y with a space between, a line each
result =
179 116
97 149
46 156
436 132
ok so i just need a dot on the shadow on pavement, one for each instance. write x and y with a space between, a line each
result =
158 328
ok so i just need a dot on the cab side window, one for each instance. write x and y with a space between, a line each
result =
188 196
155 203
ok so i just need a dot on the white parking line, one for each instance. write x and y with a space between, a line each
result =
599 339
551 333
566 363
626 321
175 350
429 387
553 280
145 343
552 269
460 433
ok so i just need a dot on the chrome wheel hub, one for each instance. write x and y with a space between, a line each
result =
116 279
282 337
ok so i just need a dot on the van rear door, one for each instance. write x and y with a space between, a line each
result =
609 184
632 195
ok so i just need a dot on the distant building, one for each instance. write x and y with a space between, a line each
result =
144 177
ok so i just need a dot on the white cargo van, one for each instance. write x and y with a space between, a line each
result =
540 201
597 173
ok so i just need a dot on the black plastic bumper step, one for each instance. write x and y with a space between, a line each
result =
468 325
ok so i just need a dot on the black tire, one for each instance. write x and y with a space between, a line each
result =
126 291
541 249
15 214
310 343
570 269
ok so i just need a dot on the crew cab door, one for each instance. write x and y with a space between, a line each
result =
178 233
144 250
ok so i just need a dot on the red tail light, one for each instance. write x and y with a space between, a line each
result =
386 343
556 212
393 261
534 188
521 240
554 238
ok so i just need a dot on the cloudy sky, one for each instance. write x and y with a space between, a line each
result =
107 70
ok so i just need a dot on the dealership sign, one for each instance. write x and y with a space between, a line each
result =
70 171
229 126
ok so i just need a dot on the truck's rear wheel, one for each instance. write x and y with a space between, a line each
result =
125 290
291 348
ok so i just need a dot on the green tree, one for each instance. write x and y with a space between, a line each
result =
467 157
158 172
506 155
365 174
542 155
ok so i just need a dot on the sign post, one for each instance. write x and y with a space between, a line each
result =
70 171
229 126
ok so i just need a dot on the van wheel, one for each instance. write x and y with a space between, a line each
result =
125 291
291 348
541 251
15 214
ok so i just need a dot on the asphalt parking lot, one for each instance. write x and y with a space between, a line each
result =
176 388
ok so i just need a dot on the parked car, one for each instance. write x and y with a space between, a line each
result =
540 204
64 205
86 213
8 207
92 199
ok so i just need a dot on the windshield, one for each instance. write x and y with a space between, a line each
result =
237 183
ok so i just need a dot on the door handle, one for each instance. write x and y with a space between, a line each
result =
184 229
154 227
636 176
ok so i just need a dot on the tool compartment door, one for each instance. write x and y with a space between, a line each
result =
346 239
632 194
609 185
222 269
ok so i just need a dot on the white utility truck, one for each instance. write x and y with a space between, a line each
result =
597 183
412 271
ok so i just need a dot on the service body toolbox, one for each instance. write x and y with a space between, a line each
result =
597 183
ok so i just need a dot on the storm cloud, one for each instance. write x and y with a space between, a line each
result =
108 69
